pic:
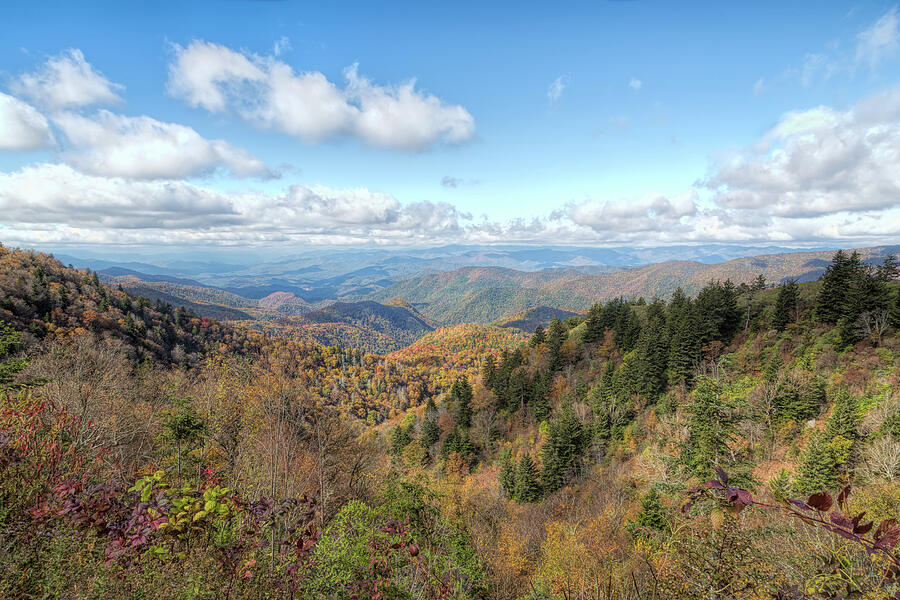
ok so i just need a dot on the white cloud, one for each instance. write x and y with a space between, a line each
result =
268 93
51 197
554 92
819 162
649 213
142 147
879 41
635 84
22 127
67 80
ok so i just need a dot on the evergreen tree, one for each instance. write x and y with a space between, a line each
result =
562 449
489 372
711 431
431 432
593 328
837 281
400 439
540 397
684 340
555 339
653 353
719 317
461 396
528 487
538 338
626 328
508 475
845 417
652 516
786 304
818 468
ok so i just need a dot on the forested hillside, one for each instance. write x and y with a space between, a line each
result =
483 295
650 448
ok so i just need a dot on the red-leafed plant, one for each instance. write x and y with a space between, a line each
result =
818 510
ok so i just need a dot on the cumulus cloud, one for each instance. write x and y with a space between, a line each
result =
66 81
649 213
635 84
22 127
880 40
555 91
142 147
817 162
270 94
43 197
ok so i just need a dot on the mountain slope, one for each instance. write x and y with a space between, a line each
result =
367 325
538 316
484 294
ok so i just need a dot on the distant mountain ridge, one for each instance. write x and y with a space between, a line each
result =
371 326
485 294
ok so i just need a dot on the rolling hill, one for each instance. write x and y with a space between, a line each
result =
485 294
367 325
530 319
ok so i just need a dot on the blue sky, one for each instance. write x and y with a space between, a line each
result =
669 123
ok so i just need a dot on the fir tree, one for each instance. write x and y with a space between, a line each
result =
684 340
555 339
538 338
711 431
431 432
540 397
719 317
562 449
837 281
593 328
652 516
400 439
461 396
626 329
528 487
818 469
653 353
785 304
508 475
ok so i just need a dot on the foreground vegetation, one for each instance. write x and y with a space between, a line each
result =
662 449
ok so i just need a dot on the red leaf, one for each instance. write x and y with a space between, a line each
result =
820 501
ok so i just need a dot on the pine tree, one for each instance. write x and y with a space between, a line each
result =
837 281
593 328
653 353
540 397
626 328
788 294
508 475
653 514
684 340
489 372
719 317
845 417
431 432
555 339
538 338
562 449
528 487
818 469
461 395
400 439
711 431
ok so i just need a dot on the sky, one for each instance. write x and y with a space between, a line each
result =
298 124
